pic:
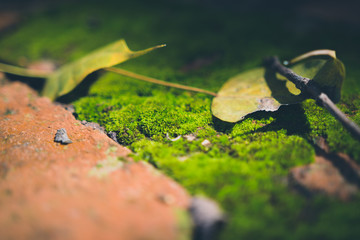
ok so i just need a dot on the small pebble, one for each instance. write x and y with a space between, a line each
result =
206 143
112 135
62 137
189 137
93 125
183 158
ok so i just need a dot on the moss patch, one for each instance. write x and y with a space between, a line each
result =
245 167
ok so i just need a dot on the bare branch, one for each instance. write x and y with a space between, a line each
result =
306 84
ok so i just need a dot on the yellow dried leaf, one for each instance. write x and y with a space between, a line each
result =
69 76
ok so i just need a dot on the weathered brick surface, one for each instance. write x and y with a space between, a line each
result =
331 174
79 190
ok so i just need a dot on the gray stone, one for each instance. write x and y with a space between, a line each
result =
208 218
62 137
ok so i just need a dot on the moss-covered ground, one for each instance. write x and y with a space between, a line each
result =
246 165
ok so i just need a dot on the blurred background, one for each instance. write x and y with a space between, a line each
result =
210 33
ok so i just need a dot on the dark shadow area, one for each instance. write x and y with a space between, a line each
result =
289 117
80 90
222 126
35 83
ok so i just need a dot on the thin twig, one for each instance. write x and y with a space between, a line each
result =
306 84
159 82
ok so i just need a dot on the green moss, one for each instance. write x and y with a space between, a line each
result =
105 167
340 140
245 168
184 226
139 115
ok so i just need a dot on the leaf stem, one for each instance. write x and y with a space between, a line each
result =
21 71
322 52
159 82
306 84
